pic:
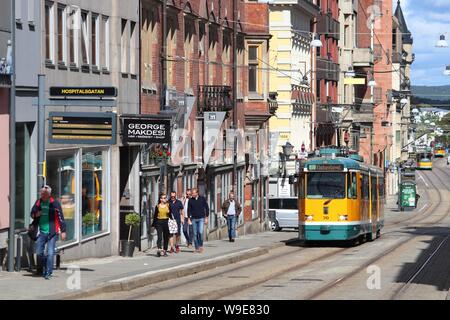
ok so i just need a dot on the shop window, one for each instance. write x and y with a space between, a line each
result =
92 193
61 176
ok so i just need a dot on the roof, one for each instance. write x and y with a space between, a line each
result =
406 37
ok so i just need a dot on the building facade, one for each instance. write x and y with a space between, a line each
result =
213 65
291 75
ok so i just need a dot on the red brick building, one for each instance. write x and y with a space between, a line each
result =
199 58
327 66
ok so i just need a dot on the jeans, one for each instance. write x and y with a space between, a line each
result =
188 230
198 232
231 222
162 227
46 261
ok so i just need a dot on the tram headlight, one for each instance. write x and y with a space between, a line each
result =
309 218
343 217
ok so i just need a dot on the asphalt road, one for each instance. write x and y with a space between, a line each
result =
411 260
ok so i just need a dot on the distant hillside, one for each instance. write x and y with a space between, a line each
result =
432 95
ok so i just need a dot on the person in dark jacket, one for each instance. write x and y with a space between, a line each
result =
231 209
198 213
48 216
161 223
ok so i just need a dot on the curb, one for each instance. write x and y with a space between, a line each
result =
151 277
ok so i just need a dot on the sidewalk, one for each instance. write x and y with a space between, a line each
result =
118 273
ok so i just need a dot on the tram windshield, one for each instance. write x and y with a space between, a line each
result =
325 185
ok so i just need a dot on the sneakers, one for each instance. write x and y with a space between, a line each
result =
171 250
165 253
177 249
200 250
232 240
48 276
158 253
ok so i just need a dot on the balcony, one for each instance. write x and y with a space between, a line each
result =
214 98
397 57
327 69
273 103
329 26
362 57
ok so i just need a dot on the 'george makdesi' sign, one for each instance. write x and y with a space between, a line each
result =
146 130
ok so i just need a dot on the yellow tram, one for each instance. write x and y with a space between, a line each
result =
439 151
340 198
425 164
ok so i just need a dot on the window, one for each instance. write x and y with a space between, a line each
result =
133 48
73 26
226 57
289 204
374 195
123 47
189 31
31 12
62 179
326 185
397 136
84 39
254 72
62 35
49 33
212 52
365 187
352 186
18 11
171 49
95 40
255 200
104 43
92 193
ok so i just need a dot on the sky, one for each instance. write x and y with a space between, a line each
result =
427 20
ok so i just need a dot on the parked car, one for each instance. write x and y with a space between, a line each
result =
283 213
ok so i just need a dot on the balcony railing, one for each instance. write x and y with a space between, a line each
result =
329 26
362 57
273 103
214 98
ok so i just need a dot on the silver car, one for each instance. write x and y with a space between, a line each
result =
283 213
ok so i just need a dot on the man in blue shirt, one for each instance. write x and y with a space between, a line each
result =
177 209
198 213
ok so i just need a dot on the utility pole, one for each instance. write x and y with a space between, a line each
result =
12 143
41 133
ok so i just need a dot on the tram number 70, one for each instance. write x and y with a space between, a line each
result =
326 217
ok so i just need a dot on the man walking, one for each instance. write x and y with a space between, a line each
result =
50 220
231 209
188 228
176 208
198 213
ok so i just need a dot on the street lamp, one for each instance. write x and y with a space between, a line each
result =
288 148
442 43
350 73
316 43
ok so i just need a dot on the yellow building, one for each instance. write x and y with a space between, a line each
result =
290 74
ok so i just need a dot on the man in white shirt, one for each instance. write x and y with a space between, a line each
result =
231 209
188 229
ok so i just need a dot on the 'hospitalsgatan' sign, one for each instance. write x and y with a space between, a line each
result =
82 128
146 130
83 92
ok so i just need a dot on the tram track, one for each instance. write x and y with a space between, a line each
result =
217 278
331 285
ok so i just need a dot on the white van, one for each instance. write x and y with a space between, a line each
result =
283 213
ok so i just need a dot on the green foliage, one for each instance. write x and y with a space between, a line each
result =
90 219
132 219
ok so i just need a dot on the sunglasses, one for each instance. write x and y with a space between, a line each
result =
163 197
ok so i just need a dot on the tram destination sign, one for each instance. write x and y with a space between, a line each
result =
146 130
82 128
83 92
325 167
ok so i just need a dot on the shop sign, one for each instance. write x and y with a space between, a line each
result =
146 131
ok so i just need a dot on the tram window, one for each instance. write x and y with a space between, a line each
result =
381 187
326 185
351 185
365 187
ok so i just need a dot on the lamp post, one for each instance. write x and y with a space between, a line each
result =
288 148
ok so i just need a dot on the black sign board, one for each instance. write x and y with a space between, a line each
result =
82 128
325 167
83 91
146 130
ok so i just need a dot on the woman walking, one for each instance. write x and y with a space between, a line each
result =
161 223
